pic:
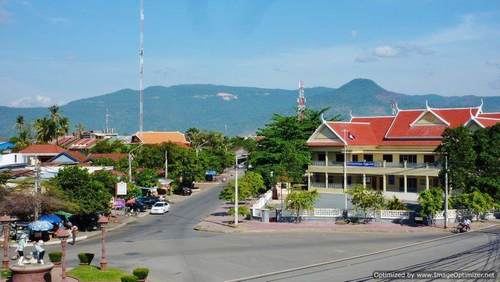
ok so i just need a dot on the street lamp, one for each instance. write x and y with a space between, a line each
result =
236 200
5 220
130 162
63 234
103 220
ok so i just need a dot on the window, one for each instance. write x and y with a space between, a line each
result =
391 179
321 157
408 158
349 180
368 180
421 181
429 159
435 182
354 158
387 158
368 157
339 158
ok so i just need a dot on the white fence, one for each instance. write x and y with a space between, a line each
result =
261 203
451 214
322 212
394 214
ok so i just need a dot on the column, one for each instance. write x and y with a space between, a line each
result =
364 180
326 179
308 181
384 182
426 182
405 181
326 158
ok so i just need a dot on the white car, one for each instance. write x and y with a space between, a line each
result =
160 208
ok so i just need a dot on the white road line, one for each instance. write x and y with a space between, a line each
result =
350 258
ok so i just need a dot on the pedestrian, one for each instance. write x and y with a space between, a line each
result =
20 248
40 251
74 230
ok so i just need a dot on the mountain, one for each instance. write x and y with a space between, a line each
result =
231 109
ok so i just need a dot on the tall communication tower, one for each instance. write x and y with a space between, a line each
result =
107 121
301 101
141 70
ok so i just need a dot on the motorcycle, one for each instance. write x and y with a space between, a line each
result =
462 227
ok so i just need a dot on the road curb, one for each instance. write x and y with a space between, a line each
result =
353 257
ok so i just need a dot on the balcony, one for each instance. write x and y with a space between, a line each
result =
378 164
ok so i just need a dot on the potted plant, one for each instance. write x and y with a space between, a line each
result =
55 258
85 258
129 278
141 273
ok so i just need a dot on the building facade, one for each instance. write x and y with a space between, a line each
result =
394 154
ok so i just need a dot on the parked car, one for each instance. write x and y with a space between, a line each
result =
147 201
137 206
160 208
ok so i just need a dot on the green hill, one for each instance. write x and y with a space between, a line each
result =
234 110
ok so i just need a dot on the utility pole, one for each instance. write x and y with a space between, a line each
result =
236 190
129 167
301 102
37 187
345 170
141 70
446 191
166 164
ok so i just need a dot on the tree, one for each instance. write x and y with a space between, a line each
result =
51 127
283 147
147 178
249 185
395 204
301 200
477 202
365 200
487 165
431 202
107 179
89 194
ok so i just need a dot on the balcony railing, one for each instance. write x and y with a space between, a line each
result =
378 164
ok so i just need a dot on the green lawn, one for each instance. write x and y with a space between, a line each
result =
93 273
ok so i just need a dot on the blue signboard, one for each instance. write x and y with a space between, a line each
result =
361 164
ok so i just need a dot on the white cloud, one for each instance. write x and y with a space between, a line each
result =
34 101
387 51
354 33
365 59
227 96
202 96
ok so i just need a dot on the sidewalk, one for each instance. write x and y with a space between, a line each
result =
219 221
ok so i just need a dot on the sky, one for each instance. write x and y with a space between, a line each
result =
59 51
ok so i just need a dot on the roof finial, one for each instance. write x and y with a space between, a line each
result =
427 105
480 108
323 118
350 115
394 107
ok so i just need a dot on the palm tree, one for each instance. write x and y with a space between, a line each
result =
19 124
45 130
60 123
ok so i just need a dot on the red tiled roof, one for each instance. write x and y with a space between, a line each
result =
159 137
84 143
77 155
489 115
112 156
400 130
65 140
42 149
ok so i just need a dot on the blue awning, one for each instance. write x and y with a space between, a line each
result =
211 172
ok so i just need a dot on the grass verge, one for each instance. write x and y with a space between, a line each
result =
93 273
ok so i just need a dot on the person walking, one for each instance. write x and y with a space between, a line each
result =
40 251
74 230
20 248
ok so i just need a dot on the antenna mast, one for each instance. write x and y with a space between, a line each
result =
301 101
107 121
141 70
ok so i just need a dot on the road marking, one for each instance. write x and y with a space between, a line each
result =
351 258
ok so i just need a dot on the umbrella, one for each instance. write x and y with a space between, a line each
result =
40 225
52 218
64 214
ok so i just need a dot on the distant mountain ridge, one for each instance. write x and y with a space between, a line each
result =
231 109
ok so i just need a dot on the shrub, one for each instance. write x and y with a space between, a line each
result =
129 278
5 273
85 258
242 210
55 256
395 204
141 273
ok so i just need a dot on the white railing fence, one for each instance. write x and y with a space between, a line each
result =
394 214
323 212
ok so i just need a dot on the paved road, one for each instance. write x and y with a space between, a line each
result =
173 251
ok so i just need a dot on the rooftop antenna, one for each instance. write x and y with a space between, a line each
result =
141 70
107 121
301 101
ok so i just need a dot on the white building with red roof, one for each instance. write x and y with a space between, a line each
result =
394 154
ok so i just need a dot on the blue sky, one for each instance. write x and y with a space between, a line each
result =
58 51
